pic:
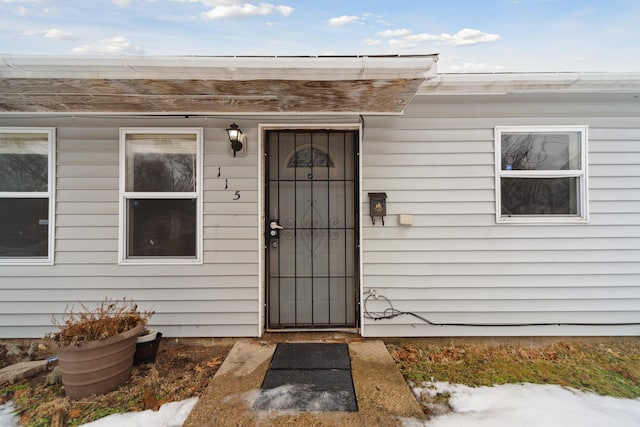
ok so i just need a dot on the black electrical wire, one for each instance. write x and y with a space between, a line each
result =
391 312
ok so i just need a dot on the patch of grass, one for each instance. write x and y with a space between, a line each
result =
611 368
10 389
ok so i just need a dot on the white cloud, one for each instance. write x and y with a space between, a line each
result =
401 44
403 38
121 3
394 33
343 20
57 34
464 37
372 42
115 46
237 9
52 33
422 37
21 10
285 10
468 36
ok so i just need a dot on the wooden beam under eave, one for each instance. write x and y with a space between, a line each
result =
203 96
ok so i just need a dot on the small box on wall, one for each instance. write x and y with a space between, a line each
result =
405 219
377 206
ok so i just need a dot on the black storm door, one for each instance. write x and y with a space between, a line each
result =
312 228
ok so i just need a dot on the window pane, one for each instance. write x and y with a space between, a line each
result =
24 228
161 227
308 157
539 196
540 151
161 163
24 162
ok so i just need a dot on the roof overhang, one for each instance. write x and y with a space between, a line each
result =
531 83
212 85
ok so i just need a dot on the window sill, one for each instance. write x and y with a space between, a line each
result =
542 220
160 262
24 261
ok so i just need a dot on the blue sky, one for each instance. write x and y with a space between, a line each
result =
469 35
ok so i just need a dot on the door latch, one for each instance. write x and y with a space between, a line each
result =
274 229
274 233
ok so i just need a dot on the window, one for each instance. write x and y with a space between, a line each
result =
308 156
541 174
161 195
27 195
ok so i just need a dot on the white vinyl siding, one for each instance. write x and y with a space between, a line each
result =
40 141
456 265
435 162
216 298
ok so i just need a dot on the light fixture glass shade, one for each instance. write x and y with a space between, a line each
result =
234 132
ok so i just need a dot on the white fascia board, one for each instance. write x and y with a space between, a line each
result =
502 83
220 68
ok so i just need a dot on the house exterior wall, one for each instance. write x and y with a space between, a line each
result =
218 298
435 162
456 265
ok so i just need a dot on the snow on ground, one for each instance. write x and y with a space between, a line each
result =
514 405
7 419
291 397
171 414
528 405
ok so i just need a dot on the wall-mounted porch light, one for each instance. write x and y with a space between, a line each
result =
237 138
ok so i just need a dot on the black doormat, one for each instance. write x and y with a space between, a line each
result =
308 377
311 356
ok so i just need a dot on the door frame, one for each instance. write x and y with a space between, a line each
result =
262 243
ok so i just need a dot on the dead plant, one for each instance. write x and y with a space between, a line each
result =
109 318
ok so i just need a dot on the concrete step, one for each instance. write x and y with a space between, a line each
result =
383 396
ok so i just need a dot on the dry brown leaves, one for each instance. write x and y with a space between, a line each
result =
109 318
180 371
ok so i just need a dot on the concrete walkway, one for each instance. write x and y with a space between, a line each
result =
382 394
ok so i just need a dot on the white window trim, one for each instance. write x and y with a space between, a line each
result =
50 194
583 203
198 195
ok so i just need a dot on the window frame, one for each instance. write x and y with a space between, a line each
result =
50 132
581 174
125 195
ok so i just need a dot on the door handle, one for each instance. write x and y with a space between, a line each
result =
274 232
275 226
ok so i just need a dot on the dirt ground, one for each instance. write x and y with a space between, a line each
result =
185 368
182 369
